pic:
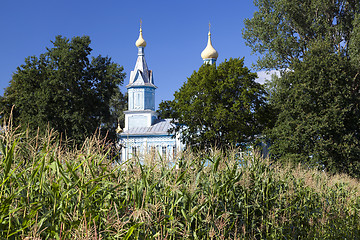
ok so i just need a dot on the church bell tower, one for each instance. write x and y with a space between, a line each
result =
141 92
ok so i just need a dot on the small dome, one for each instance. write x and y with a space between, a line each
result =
118 129
209 51
140 42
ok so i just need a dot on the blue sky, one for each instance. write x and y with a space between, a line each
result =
175 32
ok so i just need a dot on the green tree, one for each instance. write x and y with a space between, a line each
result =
66 90
318 120
317 97
219 106
282 30
165 110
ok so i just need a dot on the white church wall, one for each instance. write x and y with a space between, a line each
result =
164 146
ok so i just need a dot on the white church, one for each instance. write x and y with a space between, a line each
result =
144 132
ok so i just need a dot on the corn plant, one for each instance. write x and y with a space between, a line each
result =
51 190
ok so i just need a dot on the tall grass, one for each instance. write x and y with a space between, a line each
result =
50 191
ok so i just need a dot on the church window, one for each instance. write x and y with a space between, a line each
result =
137 99
164 151
135 151
174 151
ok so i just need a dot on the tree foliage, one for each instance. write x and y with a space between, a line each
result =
282 30
66 90
219 106
165 110
317 97
319 114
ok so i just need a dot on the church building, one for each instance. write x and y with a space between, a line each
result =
144 132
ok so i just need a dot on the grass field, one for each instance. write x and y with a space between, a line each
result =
48 190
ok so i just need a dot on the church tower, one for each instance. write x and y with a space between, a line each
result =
141 92
209 54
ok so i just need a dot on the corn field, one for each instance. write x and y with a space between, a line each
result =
50 190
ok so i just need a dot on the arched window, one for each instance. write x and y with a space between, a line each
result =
135 151
163 151
174 152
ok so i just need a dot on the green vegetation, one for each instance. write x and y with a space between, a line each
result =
50 192
66 90
282 31
319 114
219 106
317 97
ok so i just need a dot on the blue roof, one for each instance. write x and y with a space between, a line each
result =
160 127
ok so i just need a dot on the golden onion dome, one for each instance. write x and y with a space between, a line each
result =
118 129
209 51
140 42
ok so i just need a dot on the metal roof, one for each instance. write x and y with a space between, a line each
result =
160 127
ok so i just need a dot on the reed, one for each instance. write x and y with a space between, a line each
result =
49 190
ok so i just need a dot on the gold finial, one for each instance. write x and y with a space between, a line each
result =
140 42
209 26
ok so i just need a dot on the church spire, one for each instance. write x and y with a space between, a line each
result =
209 54
141 75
